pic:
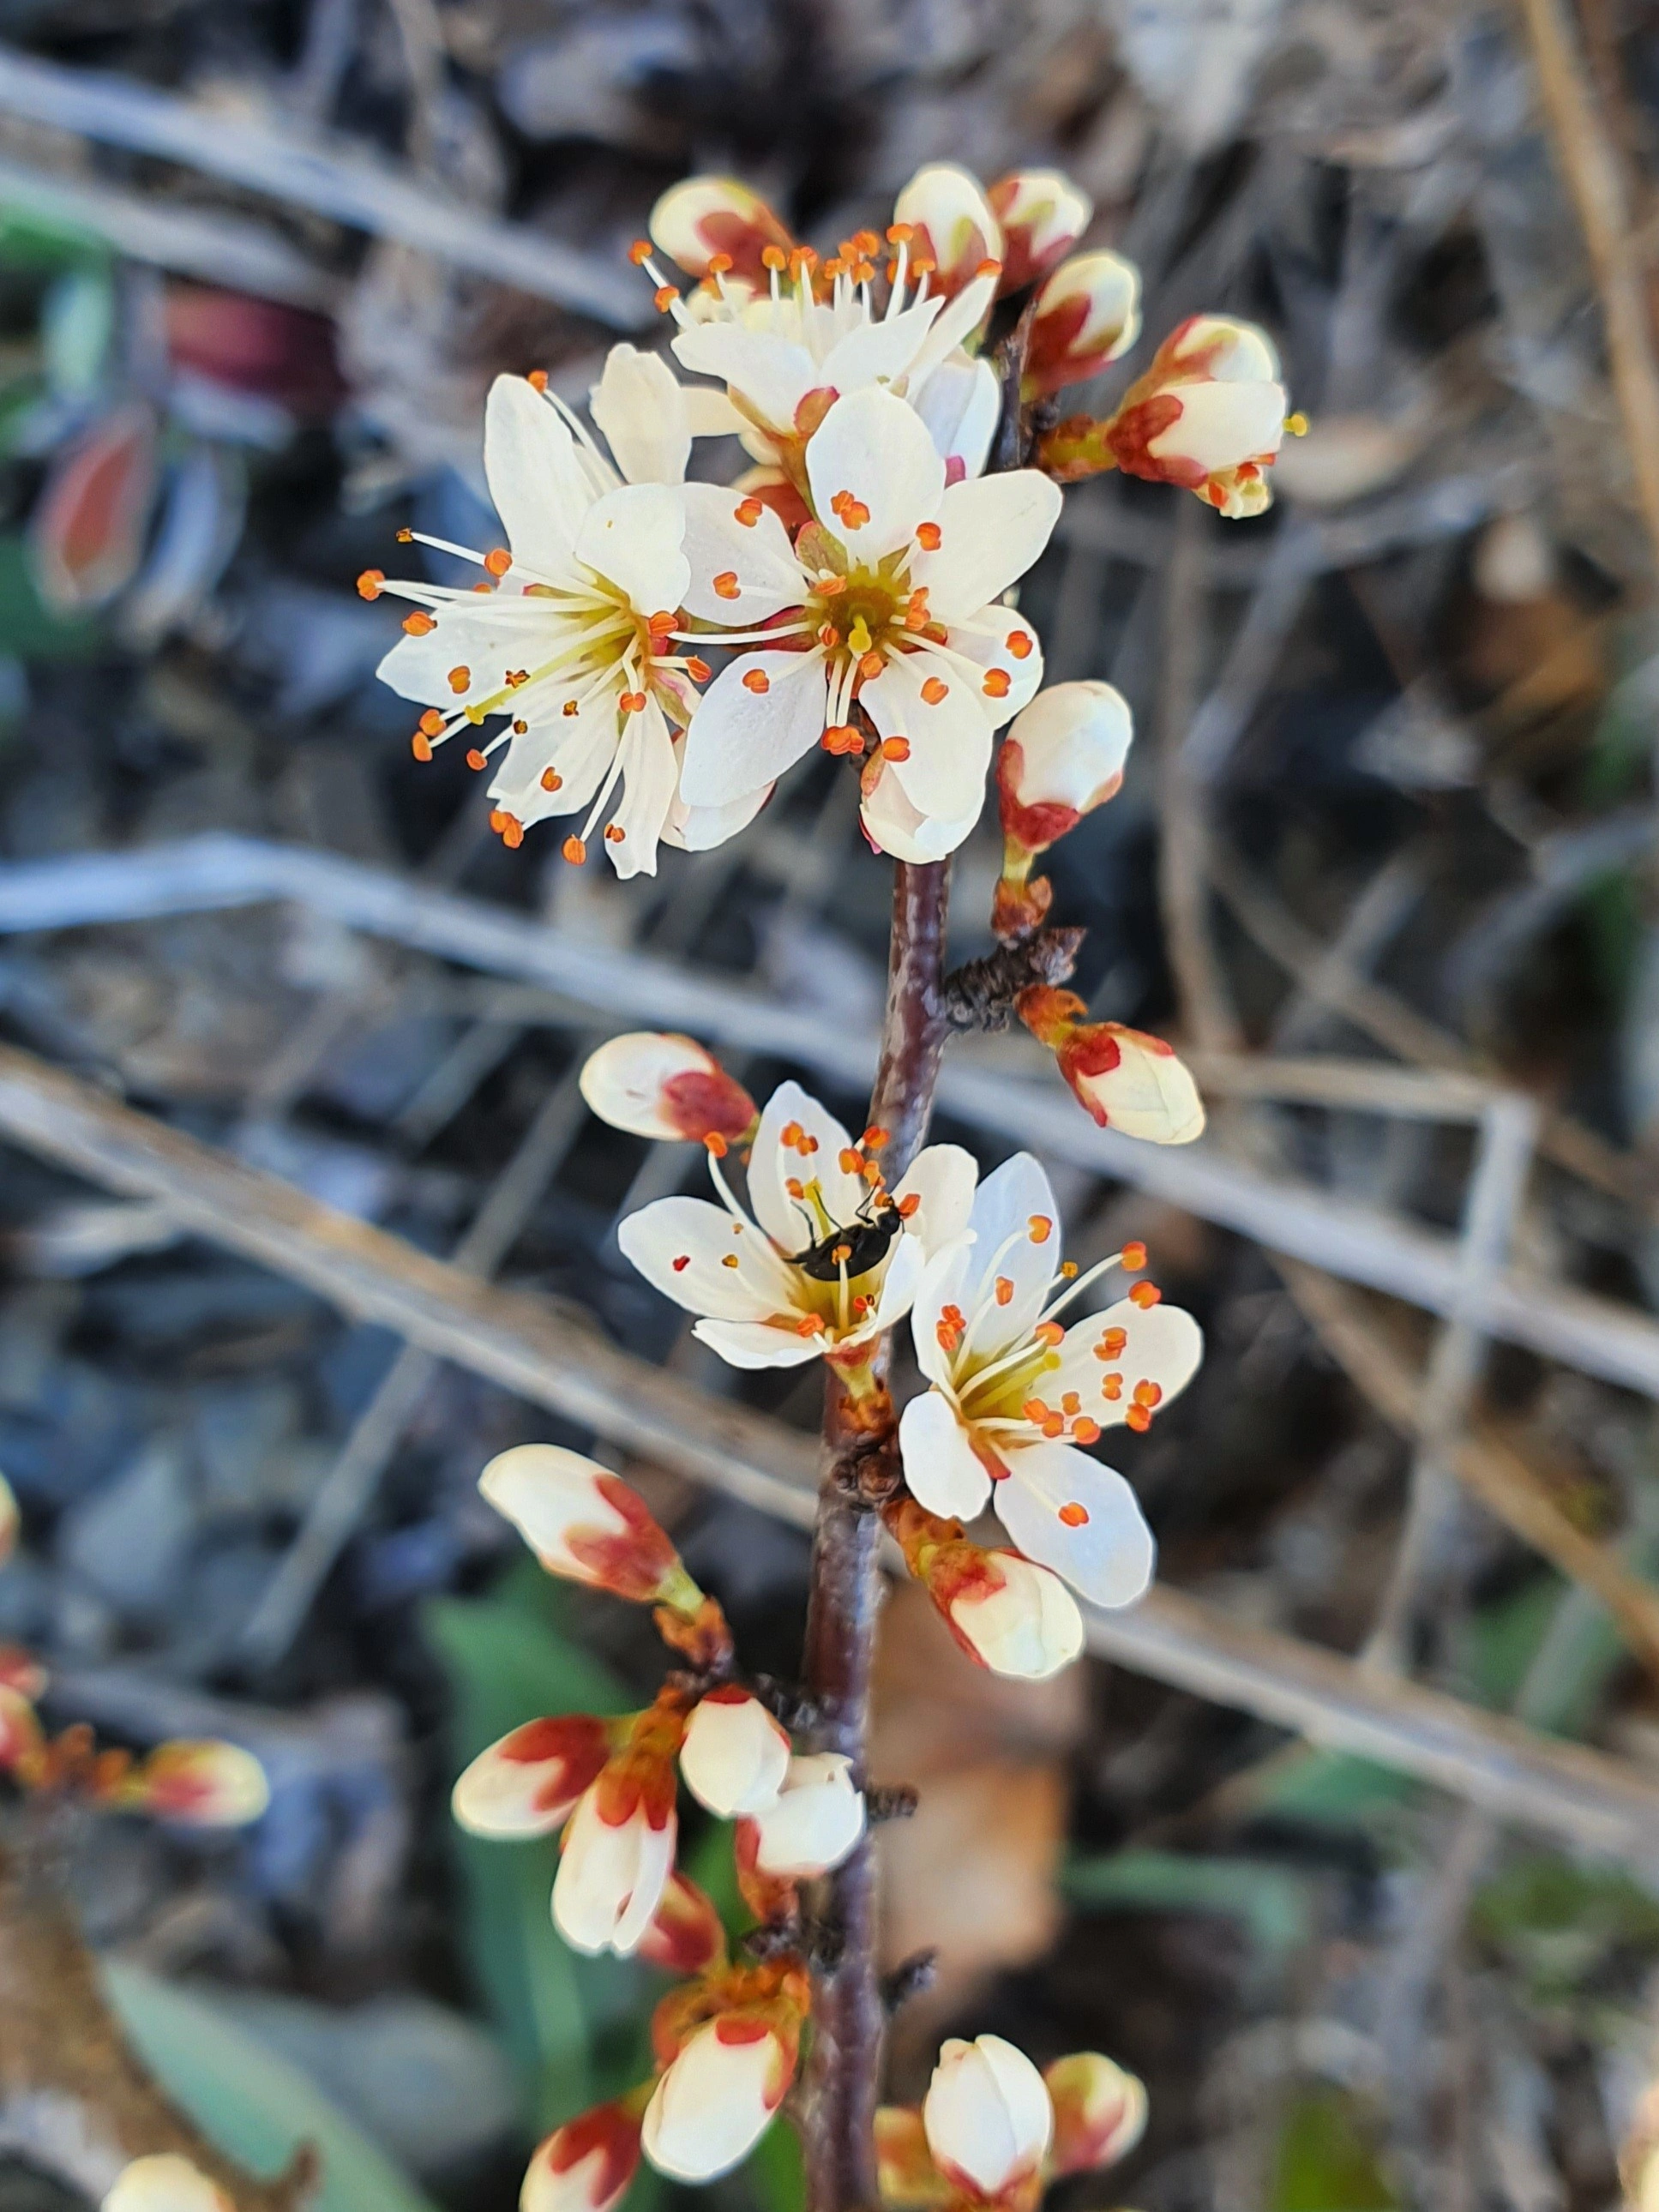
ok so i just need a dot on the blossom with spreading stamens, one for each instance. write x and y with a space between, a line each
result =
1014 1393
654 1084
888 599
568 637
829 1259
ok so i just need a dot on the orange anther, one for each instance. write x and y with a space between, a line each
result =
843 737
538 379
512 833
988 268
1144 1294
923 265
640 252
551 779
632 703
1086 1431
773 256
1035 1410
419 624
369 583
726 585
1111 1387
900 234
864 272
664 298
485 588
519 728
895 749
1042 1228
459 679
757 681
850 1162
929 536
698 669
405 537
1112 1343
1070 1402
874 1138
498 561
794 1187
719 264
1019 643
1004 1289
730 1260
1134 1257
871 666
1067 1269
827 587
432 723
749 512
850 510
718 1145
1138 1418
516 677
1074 1515
808 1325
1049 1332
475 759
613 835
934 689
1148 1394
908 1205
570 709
866 241
574 851
872 1172
420 745
998 683
681 1262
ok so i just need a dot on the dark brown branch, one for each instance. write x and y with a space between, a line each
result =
981 994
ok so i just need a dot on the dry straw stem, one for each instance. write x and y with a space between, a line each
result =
1383 1251
329 176
1595 177
1580 1796
1483 1462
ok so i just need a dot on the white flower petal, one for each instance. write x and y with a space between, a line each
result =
992 530
1106 1557
650 779
989 641
1028 1628
1222 424
710 413
944 1178
1162 1345
741 739
661 1235
576 749
636 538
772 374
713 2104
961 319
874 474
754 558
876 353
960 403
987 2114
752 1345
1011 1203
610 1880
815 1820
541 484
773 1166
936 710
474 635
640 408
906 1266
897 828
941 1468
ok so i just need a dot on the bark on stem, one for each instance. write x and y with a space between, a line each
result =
861 1466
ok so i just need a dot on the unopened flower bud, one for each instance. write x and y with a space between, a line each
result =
165 2182
586 2165
1208 414
1006 1613
952 224
716 2100
1063 757
584 1523
199 1785
528 1784
686 1937
656 1084
1042 215
618 1848
813 1823
1087 314
1126 1080
705 216
1100 2112
735 1757
988 2115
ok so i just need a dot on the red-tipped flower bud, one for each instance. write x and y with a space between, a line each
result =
1087 314
1042 215
585 1524
586 2165
1063 757
655 1084
952 224
1125 1079
1100 2113
199 1785
735 1758
528 1783
704 217
716 2100
988 2115
1208 414
686 1937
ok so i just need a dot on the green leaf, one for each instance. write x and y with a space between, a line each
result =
1331 1789
1272 1905
711 1864
254 2105
1326 2157
568 2022
775 2172
28 627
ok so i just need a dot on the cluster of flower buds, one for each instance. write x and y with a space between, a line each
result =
205 1785
726 2041
1063 757
1127 1080
994 2132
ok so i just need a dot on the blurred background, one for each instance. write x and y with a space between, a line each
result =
1383 867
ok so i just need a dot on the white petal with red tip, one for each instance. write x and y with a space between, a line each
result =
713 2105
547 1492
950 202
624 1081
987 2114
1028 1629
1150 1094
942 1471
211 1784
735 1757
742 737
1107 1554
541 481
873 473
992 530
610 1880
682 1245
815 1820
